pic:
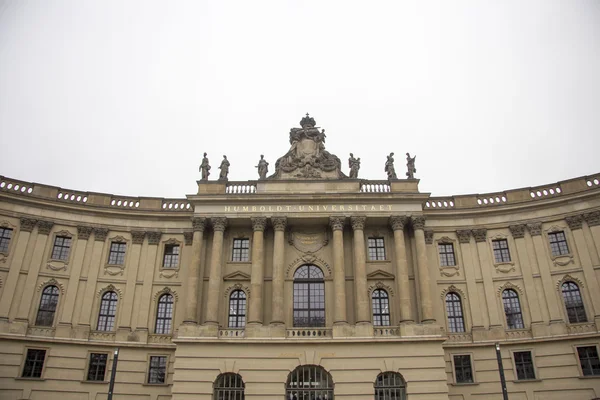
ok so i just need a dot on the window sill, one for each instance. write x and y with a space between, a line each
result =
22 378
156 384
240 262
526 380
378 261
589 377
465 384
95 382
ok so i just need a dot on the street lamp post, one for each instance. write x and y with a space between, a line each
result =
501 370
113 374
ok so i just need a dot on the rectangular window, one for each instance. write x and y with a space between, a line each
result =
588 358
446 254
524 365
5 235
62 246
241 250
558 243
158 369
376 249
97 367
462 369
117 253
501 253
34 363
171 258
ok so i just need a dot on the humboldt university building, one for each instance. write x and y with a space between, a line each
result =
307 283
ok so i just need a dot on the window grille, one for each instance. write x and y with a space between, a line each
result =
501 252
229 386
237 309
97 367
376 249
47 308
558 243
524 365
158 369
573 303
34 363
309 382
456 322
164 314
5 235
588 358
309 297
108 311
512 309
390 386
62 245
381 308
117 253
241 250
447 258
462 369
171 258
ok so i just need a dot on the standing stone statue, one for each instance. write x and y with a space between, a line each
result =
389 167
410 165
205 168
224 167
263 167
354 164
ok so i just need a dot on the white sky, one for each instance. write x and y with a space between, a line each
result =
124 96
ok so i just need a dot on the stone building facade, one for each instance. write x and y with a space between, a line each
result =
300 286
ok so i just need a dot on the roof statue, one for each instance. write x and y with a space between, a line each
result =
389 167
263 167
224 167
205 168
410 166
307 157
354 164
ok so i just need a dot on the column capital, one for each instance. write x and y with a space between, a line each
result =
358 222
137 237
517 231
574 222
279 223
534 228
100 234
464 235
84 232
188 238
480 235
44 227
397 222
337 223
259 224
592 218
418 222
428 236
153 237
219 223
27 224
198 223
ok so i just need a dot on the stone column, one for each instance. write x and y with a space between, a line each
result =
339 274
194 279
397 224
85 316
279 224
255 309
145 307
363 314
423 268
593 222
214 281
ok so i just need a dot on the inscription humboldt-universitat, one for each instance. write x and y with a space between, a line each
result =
310 208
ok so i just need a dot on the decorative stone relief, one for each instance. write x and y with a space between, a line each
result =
308 242
337 223
358 222
259 224
153 237
568 278
574 222
428 236
27 224
84 232
534 228
234 287
279 223
51 282
167 273
480 235
380 285
592 218
397 222
464 235
308 259
509 285
219 223
109 288
57 268
198 224
44 227
418 222
100 234
454 289
561 260
137 237
188 238
166 290
517 231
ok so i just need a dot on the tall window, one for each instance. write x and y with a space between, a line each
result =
48 303
237 309
390 386
501 253
5 235
447 258
241 250
512 309
164 314
34 363
171 258
381 308
157 372
573 303
588 358
309 297
456 322
376 249
309 382
463 371
108 311
229 387
62 246
117 253
97 367
558 243
524 365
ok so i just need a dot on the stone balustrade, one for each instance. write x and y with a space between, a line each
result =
308 333
231 333
247 187
375 187
386 331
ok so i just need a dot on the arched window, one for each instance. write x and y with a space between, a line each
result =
164 314
512 309
381 308
573 303
237 309
309 297
390 386
108 310
48 303
229 387
456 322
309 382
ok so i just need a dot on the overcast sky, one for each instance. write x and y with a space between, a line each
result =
124 96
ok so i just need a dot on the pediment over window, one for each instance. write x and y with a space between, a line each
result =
380 274
237 276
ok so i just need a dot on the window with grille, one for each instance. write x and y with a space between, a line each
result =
5 235
309 382
376 249
241 250
573 303
34 363
558 243
446 251
588 359
164 314
524 365
171 258
456 322
237 309
116 255
47 308
512 309
157 371
62 246
309 297
501 252
381 308
463 371
390 386
97 367
229 386
108 311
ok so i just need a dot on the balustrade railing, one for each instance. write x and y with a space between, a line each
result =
231 333
375 187
308 333
386 331
240 188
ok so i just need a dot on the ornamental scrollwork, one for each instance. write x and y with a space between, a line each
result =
453 289
534 228
84 232
219 223
397 222
234 287
337 223
380 285
568 278
517 231
574 222
358 222
109 288
166 290
509 285
279 223
51 282
259 224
